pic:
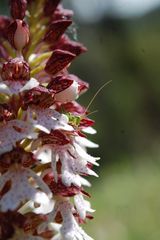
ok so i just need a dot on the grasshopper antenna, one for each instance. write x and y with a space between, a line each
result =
95 95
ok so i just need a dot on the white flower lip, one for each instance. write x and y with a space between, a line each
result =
9 135
21 190
47 119
16 87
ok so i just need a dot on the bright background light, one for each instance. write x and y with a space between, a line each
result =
92 10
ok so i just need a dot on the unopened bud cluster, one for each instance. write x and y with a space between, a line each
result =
43 130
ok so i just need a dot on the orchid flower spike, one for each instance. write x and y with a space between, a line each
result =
43 141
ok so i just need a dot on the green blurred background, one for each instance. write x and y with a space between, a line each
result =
123 46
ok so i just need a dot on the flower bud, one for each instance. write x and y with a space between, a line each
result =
39 96
56 29
61 13
69 94
83 86
15 69
60 83
86 122
4 23
66 44
72 107
18 8
18 34
50 6
58 61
